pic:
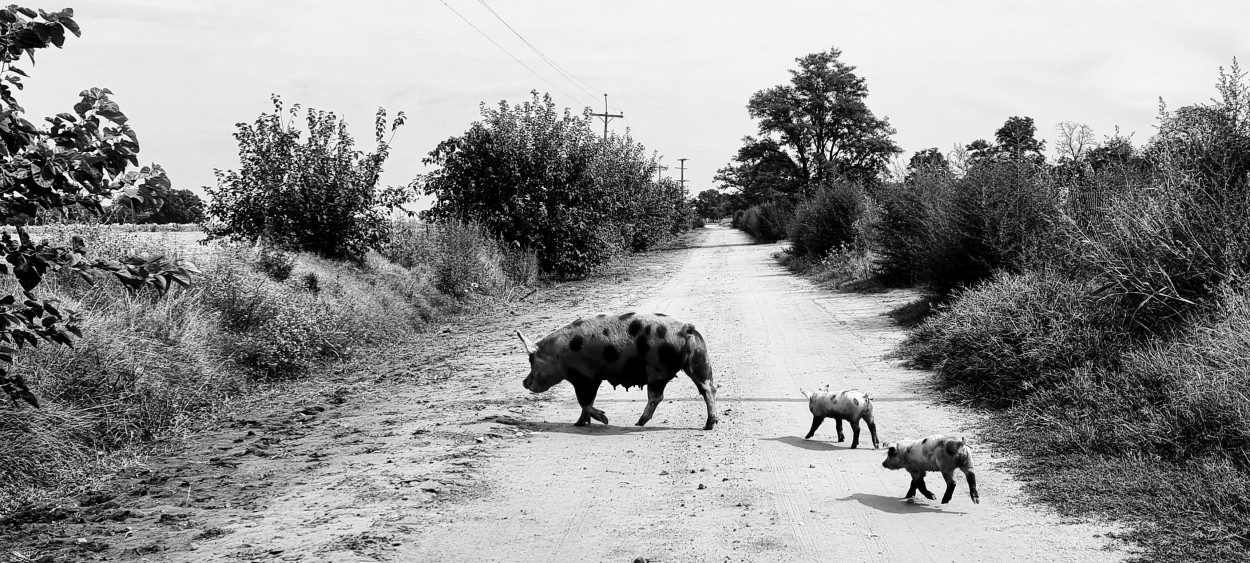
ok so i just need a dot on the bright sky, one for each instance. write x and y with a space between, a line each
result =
942 72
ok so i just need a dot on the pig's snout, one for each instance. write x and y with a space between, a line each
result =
529 380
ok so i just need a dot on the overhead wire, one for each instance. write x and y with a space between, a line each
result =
572 78
514 57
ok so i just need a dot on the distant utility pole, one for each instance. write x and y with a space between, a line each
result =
606 117
683 172
659 171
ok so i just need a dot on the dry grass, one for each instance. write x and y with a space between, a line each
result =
151 369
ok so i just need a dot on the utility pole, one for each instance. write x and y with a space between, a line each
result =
683 172
659 171
606 117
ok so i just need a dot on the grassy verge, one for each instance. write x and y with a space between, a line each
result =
151 369
1149 429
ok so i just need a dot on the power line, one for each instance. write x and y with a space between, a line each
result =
566 74
519 61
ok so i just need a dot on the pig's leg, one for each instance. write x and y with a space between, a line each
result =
972 485
917 484
707 388
949 476
816 420
586 391
841 436
655 394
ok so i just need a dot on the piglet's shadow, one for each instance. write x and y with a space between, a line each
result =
895 505
820 445
597 429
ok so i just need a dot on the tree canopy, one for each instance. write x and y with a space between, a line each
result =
822 120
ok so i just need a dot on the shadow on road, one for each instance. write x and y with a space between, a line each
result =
816 445
597 429
896 505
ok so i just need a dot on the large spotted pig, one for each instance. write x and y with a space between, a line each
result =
631 350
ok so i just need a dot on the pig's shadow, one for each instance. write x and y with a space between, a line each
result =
598 429
895 505
818 445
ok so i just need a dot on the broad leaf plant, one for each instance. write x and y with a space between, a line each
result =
73 164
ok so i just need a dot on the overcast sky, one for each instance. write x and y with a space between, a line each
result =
942 72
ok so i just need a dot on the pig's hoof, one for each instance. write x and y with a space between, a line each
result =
600 417
976 499
581 423
711 422
641 422
929 496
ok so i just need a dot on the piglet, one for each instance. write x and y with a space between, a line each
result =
849 405
934 453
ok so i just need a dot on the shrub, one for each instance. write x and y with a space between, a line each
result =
1000 341
543 179
827 221
275 263
944 232
767 222
318 196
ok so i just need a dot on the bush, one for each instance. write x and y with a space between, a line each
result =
275 263
541 179
767 222
1000 341
319 196
943 232
828 220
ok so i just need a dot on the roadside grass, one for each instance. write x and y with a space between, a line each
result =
1149 430
844 267
151 369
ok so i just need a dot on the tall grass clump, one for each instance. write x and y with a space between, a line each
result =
462 259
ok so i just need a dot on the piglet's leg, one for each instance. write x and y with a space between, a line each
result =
816 420
854 432
841 436
872 428
586 391
655 394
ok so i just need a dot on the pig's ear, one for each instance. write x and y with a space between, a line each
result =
529 345
893 448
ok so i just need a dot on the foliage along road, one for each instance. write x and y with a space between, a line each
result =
434 451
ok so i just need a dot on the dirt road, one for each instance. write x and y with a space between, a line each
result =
442 456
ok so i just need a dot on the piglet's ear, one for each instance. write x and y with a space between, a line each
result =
529 345
892 449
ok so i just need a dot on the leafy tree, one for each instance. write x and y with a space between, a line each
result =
320 195
1017 139
73 165
928 161
822 119
762 171
710 204
181 206
542 179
